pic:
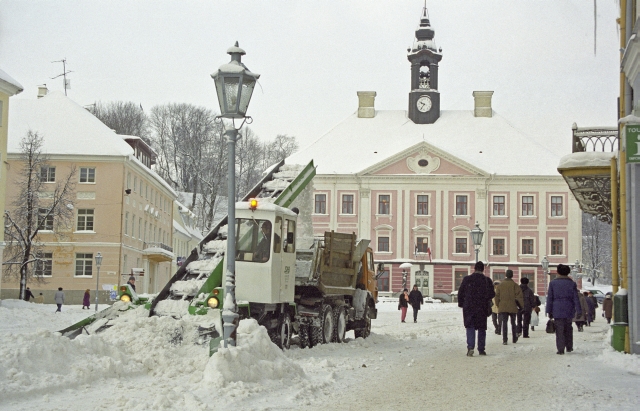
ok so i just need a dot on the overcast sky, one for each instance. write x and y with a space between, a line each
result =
313 56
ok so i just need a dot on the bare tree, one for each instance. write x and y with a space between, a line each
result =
36 207
596 248
124 117
280 148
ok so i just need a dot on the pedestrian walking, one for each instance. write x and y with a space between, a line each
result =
28 295
594 300
474 295
607 308
590 308
495 318
59 299
562 305
509 299
86 300
535 317
416 300
581 318
403 304
524 313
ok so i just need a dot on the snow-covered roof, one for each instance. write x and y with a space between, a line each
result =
491 144
8 84
67 128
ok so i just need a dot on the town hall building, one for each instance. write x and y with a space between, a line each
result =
417 181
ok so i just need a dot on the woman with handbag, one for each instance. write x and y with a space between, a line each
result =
403 304
562 305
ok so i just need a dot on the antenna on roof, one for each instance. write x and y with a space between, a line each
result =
67 83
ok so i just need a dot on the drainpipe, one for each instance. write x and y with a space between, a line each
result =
614 225
487 183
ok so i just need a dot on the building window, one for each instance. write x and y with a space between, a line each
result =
459 275
461 245
140 228
383 244
44 264
347 204
135 183
47 174
126 223
85 219
423 205
556 206
45 222
498 246
84 262
527 246
321 204
87 174
499 275
422 245
527 205
556 247
383 281
498 205
531 276
461 205
383 204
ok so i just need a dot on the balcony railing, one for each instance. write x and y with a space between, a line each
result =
158 245
602 139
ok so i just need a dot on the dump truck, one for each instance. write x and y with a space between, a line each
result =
319 293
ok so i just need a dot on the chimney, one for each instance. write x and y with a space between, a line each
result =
42 91
482 104
366 106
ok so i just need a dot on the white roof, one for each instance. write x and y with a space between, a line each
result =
9 83
489 144
67 128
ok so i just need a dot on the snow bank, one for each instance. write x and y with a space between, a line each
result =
206 266
215 246
586 159
172 308
256 359
188 287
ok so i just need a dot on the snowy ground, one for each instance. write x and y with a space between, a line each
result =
140 364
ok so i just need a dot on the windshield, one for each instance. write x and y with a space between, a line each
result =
253 240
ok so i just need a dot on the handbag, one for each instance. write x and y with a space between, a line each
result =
551 327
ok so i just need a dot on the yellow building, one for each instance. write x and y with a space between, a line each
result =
122 209
185 234
8 87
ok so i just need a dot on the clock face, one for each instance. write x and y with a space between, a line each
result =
424 104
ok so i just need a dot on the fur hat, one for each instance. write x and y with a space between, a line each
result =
479 266
563 269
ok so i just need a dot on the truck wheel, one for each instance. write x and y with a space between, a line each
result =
366 330
284 331
340 324
303 334
327 324
315 335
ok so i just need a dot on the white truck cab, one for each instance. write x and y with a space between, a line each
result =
265 252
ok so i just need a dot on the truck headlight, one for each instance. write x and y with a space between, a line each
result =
213 302
125 298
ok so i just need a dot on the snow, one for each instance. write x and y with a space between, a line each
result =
586 159
143 363
188 287
14 86
205 266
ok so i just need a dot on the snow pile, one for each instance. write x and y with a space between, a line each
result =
586 159
274 185
205 266
215 246
173 308
255 360
289 171
626 362
188 287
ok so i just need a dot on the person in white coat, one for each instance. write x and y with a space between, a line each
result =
59 298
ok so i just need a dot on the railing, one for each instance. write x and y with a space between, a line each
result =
158 245
601 139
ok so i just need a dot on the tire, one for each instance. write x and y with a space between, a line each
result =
364 332
315 335
339 324
284 331
327 324
303 335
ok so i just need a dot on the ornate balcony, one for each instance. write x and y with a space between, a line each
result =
587 170
158 252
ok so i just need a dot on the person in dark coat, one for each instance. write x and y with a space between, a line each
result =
594 300
474 295
28 295
416 300
132 282
403 303
590 308
607 308
581 318
562 305
524 313
86 300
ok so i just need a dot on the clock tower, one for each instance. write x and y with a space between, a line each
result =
424 98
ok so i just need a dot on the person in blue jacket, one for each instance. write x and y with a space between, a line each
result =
562 305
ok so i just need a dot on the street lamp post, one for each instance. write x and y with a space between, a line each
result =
545 269
234 87
98 264
476 237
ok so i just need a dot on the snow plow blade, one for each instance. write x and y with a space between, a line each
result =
95 323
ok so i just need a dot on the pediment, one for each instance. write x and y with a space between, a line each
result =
423 159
